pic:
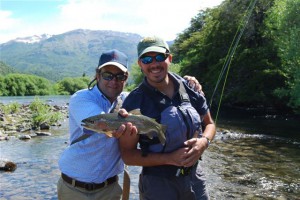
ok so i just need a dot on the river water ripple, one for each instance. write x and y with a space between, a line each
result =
237 166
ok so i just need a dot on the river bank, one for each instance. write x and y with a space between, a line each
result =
248 162
21 121
237 166
244 120
259 121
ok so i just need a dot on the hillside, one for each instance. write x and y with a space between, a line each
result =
66 55
5 69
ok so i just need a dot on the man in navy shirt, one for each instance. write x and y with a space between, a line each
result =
170 171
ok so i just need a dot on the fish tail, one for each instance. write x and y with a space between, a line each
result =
161 134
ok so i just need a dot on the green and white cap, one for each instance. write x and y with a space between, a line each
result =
152 44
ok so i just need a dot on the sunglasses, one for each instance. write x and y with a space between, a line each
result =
110 76
159 58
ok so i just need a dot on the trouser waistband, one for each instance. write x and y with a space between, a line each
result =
89 186
168 170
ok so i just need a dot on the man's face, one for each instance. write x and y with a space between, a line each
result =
111 88
155 66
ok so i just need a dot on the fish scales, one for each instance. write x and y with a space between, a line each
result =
107 123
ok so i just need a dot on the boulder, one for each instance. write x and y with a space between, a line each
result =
8 166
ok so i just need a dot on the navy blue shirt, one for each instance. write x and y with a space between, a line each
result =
176 127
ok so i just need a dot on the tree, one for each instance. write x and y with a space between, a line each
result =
69 86
255 73
283 24
25 85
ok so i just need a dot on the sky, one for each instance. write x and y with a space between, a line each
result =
164 18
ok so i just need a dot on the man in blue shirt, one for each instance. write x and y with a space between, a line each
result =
170 171
90 165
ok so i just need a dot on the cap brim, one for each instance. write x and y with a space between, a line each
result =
120 66
153 49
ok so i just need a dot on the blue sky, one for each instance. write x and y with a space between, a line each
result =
165 18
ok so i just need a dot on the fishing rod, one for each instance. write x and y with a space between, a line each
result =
230 54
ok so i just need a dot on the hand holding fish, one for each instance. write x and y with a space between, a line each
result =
126 128
116 124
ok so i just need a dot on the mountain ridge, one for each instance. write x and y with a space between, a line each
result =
70 54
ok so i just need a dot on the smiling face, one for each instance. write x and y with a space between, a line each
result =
156 72
111 88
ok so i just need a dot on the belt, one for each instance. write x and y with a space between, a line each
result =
168 170
89 186
162 170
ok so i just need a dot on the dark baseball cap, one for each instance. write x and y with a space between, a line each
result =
152 44
114 57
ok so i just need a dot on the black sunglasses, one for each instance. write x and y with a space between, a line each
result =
159 58
110 76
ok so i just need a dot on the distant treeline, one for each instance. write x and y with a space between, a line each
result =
15 84
264 71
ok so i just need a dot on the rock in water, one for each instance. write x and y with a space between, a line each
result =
7 166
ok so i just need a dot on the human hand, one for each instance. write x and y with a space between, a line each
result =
126 128
194 84
177 157
196 148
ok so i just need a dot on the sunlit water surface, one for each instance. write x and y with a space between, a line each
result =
240 164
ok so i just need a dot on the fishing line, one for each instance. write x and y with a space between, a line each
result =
231 51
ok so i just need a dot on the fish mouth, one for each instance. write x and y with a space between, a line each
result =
85 124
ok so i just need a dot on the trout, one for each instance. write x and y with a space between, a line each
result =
107 123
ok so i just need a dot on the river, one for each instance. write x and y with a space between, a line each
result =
258 159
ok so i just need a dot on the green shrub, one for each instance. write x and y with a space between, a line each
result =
10 108
42 113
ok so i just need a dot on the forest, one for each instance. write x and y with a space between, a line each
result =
245 53
264 68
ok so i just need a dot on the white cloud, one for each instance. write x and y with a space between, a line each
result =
165 18
6 21
7 25
12 28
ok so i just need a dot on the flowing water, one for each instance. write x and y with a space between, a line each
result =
254 160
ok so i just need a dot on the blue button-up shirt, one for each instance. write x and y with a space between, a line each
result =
97 157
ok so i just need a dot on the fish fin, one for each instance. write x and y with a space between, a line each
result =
135 112
91 129
162 138
108 133
164 128
149 134
162 134
153 119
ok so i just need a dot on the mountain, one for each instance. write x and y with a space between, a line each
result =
70 54
33 39
5 69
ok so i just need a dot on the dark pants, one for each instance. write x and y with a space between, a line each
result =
191 187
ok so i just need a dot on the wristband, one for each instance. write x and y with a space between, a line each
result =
208 140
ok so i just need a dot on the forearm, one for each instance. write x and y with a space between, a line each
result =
209 132
134 157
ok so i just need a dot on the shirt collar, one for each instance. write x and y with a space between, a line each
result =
171 76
